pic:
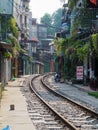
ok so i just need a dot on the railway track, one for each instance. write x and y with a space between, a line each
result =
52 119
60 113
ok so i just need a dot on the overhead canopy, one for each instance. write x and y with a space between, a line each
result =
34 39
38 62
51 44
5 45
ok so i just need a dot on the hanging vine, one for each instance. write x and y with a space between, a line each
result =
95 43
12 27
60 46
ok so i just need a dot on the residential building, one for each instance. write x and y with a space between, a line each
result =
81 45
40 46
25 60
19 10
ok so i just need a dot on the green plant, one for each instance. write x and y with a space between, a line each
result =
7 54
12 27
60 45
95 94
30 58
16 48
72 4
95 42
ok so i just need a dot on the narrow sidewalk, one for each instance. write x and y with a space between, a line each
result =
13 108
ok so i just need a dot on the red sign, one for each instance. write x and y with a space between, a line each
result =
94 2
79 72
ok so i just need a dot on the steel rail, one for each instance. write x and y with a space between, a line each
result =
90 111
70 125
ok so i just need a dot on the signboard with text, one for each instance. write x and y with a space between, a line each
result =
79 72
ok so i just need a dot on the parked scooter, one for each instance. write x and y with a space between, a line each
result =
57 77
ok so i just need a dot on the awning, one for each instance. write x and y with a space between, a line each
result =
38 62
51 44
5 45
34 39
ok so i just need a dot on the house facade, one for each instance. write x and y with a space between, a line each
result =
19 11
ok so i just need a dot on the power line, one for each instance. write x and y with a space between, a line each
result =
52 26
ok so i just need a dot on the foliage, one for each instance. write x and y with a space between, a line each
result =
82 17
46 19
86 49
95 42
94 94
8 26
30 58
13 40
16 48
23 51
12 27
7 54
56 19
53 22
60 46
83 51
76 50
72 4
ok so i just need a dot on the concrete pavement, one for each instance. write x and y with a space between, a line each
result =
76 92
18 118
13 110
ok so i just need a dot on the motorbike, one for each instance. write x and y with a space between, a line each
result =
57 77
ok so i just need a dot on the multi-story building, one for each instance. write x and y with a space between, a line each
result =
40 45
83 19
25 65
19 10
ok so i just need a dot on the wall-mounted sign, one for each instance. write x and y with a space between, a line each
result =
79 72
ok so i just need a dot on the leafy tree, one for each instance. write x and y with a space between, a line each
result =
46 19
56 19
53 21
